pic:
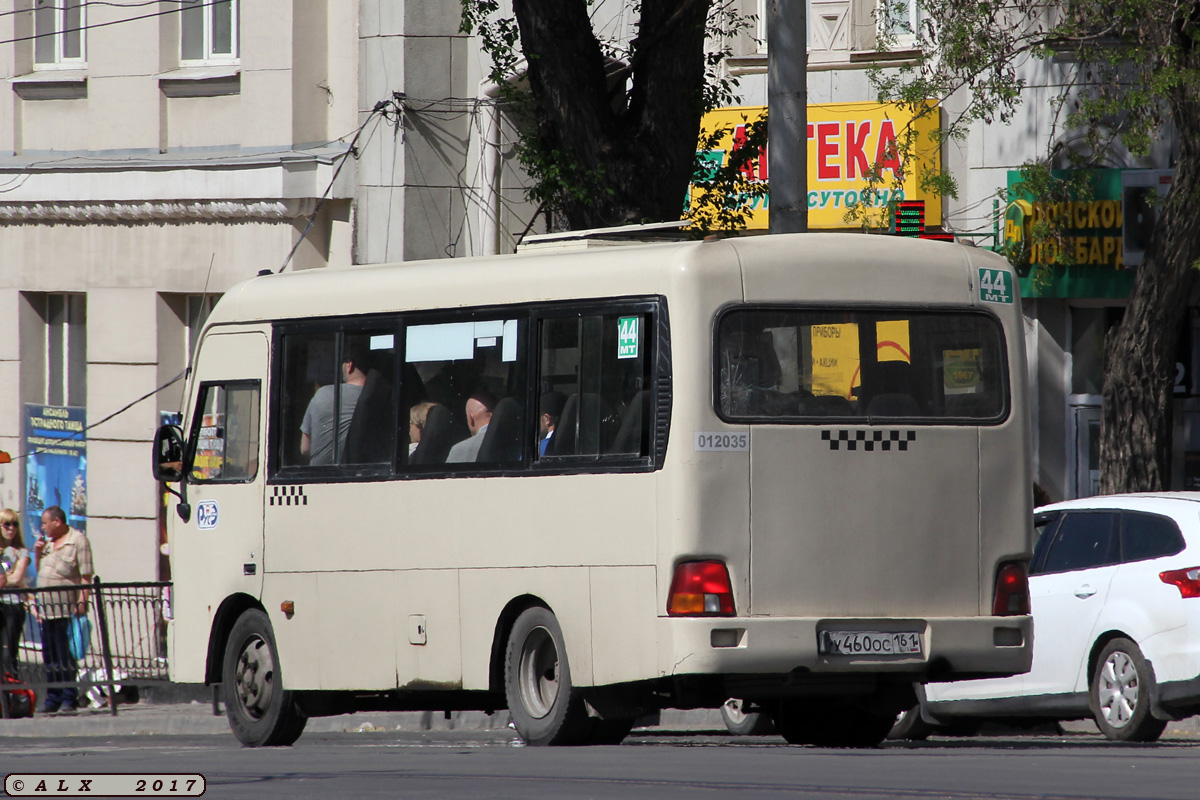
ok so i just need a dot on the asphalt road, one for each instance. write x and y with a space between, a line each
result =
486 764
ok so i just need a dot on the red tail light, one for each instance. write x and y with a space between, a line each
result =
1012 590
1186 580
701 589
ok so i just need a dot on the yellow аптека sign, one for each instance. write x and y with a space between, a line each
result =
845 141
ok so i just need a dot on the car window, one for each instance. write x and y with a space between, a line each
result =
1146 536
1043 534
1083 540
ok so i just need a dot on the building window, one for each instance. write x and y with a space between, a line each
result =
58 29
208 31
760 29
66 349
899 18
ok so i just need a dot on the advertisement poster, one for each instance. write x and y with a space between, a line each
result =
56 470
846 141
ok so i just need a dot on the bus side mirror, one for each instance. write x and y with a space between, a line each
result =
168 454
167 465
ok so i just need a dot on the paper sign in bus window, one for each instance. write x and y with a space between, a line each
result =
891 341
451 341
835 361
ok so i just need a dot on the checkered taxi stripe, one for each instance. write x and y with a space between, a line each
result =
288 496
868 440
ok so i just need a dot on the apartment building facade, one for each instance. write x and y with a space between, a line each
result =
151 156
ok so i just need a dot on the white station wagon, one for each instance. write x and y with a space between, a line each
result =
1115 590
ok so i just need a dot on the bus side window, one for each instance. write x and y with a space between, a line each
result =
464 393
226 433
308 368
595 368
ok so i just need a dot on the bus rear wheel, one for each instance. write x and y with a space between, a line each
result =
261 713
828 724
546 708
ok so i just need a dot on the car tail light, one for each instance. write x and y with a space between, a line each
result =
701 589
1186 580
1012 590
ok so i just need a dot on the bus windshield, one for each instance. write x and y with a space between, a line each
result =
805 365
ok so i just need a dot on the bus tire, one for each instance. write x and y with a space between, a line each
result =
261 713
546 708
827 724
1120 694
740 722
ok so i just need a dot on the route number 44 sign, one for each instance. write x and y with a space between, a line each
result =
995 286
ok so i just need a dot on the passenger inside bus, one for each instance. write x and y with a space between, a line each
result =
316 429
436 437
551 407
479 408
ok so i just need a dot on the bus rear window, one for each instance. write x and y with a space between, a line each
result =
860 365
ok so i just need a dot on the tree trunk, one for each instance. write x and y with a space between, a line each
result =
1136 421
640 151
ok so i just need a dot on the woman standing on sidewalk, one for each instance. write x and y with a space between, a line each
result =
14 563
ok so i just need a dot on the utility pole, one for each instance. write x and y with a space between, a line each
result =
787 115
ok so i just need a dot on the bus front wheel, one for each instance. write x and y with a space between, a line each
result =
546 708
261 713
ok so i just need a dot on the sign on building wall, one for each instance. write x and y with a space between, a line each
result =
56 469
845 142
1103 235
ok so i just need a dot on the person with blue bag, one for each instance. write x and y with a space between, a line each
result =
65 560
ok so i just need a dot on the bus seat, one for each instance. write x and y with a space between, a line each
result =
437 438
577 431
502 439
562 443
371 436
631 435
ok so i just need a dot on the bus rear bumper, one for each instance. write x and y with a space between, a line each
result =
952 648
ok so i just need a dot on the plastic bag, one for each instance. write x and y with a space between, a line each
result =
80 637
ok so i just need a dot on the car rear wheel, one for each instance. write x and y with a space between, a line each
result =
910 726
741 722
1121 694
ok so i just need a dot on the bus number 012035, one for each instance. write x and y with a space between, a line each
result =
722 441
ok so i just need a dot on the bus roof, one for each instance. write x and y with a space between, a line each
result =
820 266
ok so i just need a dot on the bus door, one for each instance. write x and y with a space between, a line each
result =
224 537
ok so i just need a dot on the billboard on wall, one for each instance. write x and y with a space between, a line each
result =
845 142
56 469
1103 235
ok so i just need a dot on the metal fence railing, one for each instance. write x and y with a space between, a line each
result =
127 645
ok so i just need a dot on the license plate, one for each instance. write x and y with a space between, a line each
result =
870 643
